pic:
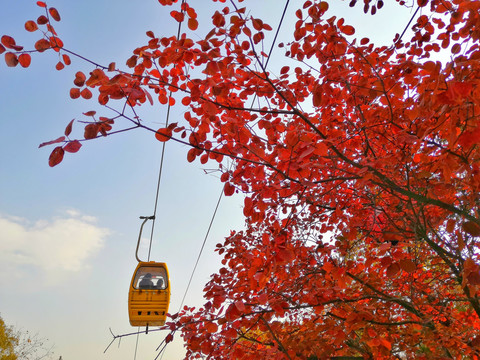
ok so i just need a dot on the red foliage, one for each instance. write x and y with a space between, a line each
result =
360 169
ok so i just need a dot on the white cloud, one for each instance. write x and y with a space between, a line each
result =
47 250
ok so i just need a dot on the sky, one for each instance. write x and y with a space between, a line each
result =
68 234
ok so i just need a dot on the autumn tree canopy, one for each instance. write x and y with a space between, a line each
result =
19 344
359 164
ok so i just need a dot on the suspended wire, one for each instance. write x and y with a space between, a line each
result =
163 152
201 249
407 26
276 32
158 190
136 344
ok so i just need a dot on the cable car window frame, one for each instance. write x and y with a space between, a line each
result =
157 272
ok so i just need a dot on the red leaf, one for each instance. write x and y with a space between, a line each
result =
228 189
41 4
60 139
73 146
25 60
56 156
54 14
191 155
11 59
163 134
393 270
86 94
169 338
177 15
79 79
42 20
8 41
240 306
91 131
347 30
59 66
56 43
2 49
90 113
68 129
450 225
192 24
42 45
218 19
66 59
471 228
31 26
211 327
456 48
74 93
408 265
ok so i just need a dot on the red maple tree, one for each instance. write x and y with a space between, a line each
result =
359 165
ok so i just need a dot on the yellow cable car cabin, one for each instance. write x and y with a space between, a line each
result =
149 294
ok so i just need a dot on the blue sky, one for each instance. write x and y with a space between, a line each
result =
68 234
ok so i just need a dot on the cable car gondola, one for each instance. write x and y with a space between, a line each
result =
149 293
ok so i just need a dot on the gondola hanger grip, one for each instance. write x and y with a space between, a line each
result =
145 219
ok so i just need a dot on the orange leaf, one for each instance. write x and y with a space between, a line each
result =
56 43
42 45
42 20
393 270
347 30
323 6
66 59
11 59
240 305
177 15
91 131
86 94
218 19
25 60
56 156
191 155
31 26
192 24
450 225
471 228
54 13
408 265
163 134
456 48
79 79
74 93
211 327
8 41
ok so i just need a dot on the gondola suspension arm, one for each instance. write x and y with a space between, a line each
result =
146 218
